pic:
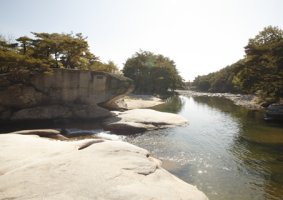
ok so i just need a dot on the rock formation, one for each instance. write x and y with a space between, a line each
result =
140 120
65 94
39 168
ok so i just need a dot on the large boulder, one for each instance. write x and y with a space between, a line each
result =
65 94
39 168
140 120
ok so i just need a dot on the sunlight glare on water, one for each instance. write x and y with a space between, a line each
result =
218 151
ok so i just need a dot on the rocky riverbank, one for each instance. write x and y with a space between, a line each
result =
63 95
136 101
247 101
50 164
40 168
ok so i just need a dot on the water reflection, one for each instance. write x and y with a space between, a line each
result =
227 106
173 104
263 163
229 152
254 128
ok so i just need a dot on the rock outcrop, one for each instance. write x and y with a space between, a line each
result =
39 168
66 94
140 120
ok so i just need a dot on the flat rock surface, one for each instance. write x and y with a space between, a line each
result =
39 168
136 101
142 101
139 120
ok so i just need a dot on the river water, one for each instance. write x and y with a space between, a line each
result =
227 151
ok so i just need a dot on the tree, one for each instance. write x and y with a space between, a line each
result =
260 71
152 73
263 71
65 50
110 67
25 43
37 55
19 68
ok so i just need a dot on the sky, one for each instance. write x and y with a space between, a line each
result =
201 36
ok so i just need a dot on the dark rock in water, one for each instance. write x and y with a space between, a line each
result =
66 94
274 112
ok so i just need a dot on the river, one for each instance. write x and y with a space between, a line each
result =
227 151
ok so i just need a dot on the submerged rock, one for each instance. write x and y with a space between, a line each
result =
140 120
38 168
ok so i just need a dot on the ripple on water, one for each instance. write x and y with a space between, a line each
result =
212 154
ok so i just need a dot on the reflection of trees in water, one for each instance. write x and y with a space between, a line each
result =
219 103
253 127
262 161
227 106
173 104
252 157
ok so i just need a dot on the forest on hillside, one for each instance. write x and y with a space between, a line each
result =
260 72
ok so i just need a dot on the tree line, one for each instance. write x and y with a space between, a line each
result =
152 73
39 54
28 56
259 72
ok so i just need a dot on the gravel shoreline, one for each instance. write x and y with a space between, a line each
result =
248 101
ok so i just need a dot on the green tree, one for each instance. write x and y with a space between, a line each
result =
260 71
65 50
44 51
19 68
110 67
263 72
152 73
25 43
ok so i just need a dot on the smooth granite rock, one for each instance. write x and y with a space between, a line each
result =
47 133
65 94
139 120
38 168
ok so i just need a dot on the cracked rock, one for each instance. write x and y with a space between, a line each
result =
40 168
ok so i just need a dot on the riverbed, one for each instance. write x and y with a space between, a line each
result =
227 151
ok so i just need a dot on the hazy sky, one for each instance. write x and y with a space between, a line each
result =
201 36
